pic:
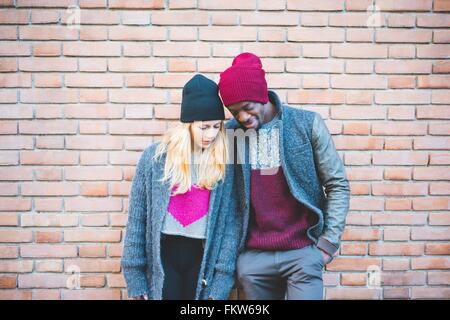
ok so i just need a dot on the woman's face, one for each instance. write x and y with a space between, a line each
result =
205 132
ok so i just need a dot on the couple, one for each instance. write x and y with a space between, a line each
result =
198 216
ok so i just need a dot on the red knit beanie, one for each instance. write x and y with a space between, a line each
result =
243 81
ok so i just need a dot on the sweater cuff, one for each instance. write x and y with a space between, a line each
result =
136 282
224 282
328 247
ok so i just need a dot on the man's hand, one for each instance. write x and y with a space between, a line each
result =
326 257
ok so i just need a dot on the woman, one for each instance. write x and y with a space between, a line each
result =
183 226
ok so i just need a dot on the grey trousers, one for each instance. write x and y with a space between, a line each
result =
278 275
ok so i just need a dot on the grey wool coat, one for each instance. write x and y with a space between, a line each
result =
141 260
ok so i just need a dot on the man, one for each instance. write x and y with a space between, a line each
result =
294 187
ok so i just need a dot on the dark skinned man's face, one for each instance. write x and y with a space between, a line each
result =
249 114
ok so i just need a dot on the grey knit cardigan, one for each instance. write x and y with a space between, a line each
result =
148 201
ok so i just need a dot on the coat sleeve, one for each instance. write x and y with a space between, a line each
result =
332 175
134 259
224 272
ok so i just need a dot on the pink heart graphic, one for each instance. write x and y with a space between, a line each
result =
190 206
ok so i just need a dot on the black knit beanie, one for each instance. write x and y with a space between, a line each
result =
201 101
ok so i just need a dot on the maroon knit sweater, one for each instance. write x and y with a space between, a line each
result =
277 220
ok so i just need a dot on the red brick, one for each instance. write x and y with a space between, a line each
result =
402 51
440 188
403 278
48 81
364 174
49 266
359 112
47 64
353 249
92 235
137 33
432 143
430 233
402 128
405 5
395 249
361 234
47 33
365 204
9 252
315 35
398 143
439 158
428 263
8 282
433 112
441 5
91 294
354 279
356 82
136 4
16 266
94 281
311 66
137 95
436 51
92 251
15 295
437 248
46 294
273 50
440 96
399 189
398 204
431 173
396 264
430 293
352 294
396 293
316 97
432 20
359 188
229 5
85 205
48 236
392 35
14 49
95 220
403 97
433 81
401 20
396 234
398 219
42 280
321 5
48 251
359 50
175 50
93 265
44 17
15 235
48 220
91 49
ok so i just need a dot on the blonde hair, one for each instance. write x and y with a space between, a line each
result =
210 165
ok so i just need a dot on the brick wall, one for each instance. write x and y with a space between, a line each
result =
86 85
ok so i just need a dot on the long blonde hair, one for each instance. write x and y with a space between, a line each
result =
210 164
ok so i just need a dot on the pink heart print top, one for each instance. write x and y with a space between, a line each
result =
187 213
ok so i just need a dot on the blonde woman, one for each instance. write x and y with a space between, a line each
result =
182 231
